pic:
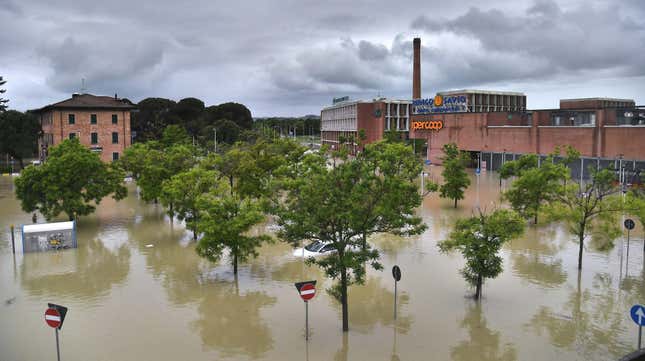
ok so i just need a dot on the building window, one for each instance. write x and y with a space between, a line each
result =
95 138
92 118
71 118
115 138
115 156
115 119
72 135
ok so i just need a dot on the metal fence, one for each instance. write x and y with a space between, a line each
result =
580 169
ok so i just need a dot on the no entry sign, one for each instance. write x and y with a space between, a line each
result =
307 290
52 317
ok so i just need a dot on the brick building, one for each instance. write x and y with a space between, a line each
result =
102 123
375 117
495 126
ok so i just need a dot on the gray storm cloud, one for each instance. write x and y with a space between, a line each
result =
291 57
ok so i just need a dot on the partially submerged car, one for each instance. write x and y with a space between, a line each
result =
314 249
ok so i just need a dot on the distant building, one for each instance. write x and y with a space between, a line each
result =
101 123
345 118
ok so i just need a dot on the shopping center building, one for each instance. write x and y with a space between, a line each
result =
496 126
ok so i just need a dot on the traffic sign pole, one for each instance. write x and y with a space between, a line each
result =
640 332
395 290
307 291
307 322
57 346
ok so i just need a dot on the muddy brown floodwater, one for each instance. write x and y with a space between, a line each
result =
136 290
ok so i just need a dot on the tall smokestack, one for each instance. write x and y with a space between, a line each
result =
416 71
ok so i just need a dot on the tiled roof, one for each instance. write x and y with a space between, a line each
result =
91 102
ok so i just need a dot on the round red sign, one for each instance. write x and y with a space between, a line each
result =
307 291
52 317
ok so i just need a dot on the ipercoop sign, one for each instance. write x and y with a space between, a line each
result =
428 125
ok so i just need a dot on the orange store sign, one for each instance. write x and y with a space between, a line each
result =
430 125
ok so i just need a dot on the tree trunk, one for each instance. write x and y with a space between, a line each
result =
364 241
343 298
455 202
581 237
235 262
535 218
478 289
230 181
172 214
22 165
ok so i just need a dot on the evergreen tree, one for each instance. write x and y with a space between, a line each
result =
455 178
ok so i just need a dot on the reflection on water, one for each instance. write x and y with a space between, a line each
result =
84 273
372 305
229 320
589 323
136 281
483 343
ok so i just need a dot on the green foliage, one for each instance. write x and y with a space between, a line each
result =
454 173
150 164
535 185
174 135
3 102
226 220
19 135
346 201
155 114
72 180
180 193
480 239
589 207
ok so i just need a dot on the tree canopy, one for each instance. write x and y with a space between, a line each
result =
455 178
479 239
73 181
341 203
19 135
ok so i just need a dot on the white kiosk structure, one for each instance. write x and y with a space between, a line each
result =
48 236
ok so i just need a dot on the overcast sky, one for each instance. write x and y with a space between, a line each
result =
291 57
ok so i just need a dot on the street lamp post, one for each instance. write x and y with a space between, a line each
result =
215 138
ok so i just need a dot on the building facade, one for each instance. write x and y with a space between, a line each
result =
346 118
498 125
101 123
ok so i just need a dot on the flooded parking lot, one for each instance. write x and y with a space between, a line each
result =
136 290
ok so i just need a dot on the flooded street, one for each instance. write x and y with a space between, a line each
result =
136 290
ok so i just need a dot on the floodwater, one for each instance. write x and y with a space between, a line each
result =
136 290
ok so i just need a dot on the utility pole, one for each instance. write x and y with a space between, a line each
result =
215 138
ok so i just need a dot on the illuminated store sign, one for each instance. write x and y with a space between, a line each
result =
427 125
440 104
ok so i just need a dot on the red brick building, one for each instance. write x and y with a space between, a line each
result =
101 123
346 118
497 125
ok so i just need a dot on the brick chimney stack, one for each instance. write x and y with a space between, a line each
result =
416 71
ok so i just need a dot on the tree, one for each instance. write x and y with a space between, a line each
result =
338 205
534 185
180 193
150 164
454 173
19 136
479 239
225 222
154 115
3 102
174 135
589 207
72 180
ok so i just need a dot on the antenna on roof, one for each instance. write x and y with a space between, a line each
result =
83 86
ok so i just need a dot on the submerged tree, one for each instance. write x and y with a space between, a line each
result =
225 221
181 192
455 178
589 207
341 203
535 184
73 181
479 239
